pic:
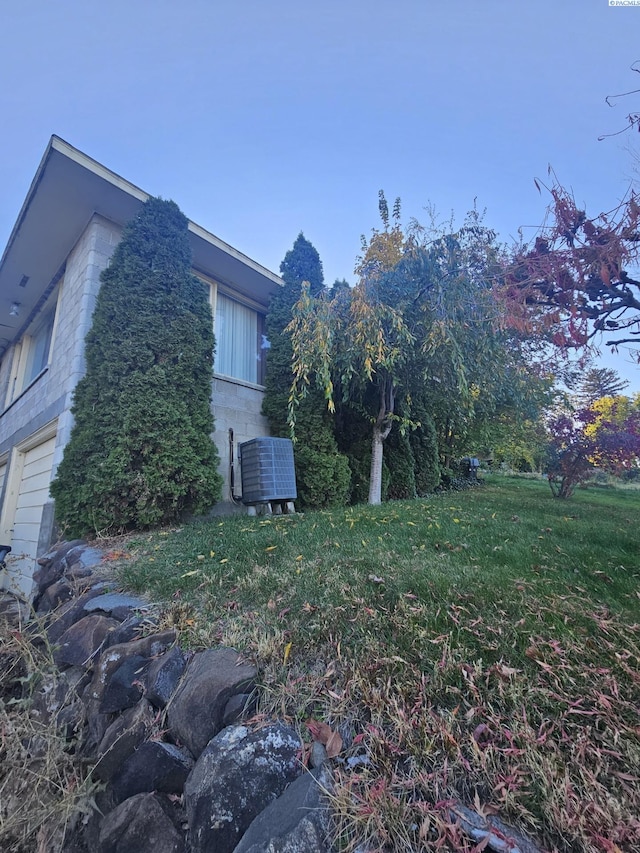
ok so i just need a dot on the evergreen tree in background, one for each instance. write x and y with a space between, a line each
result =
411 466
141 452
600 382
322 473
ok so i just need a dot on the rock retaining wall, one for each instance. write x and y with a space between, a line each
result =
165 731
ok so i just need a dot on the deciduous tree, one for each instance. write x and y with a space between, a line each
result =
576 284
605 435
421 316
360 341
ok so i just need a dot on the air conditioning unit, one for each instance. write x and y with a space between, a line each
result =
267 470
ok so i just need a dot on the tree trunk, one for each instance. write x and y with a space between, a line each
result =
375 476
381 429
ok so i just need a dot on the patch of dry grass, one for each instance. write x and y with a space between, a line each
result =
44 789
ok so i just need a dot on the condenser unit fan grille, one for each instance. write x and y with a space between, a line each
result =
267 470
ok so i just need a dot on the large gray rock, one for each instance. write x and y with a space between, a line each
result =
240 706
139 825
58 552
54 595
163 675
51 566
57 691
197 709
70 612
97 725
131 629
299 821
118 604
79 575
71 719
82 555
154 766
13 610
81 643
124 688
239 773
44 577
122 738
114 656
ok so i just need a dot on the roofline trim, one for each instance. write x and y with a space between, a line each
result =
122 183
58 144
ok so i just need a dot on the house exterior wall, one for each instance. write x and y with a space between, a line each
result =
76 304
236 406
41 413
50 395
5 369
46 403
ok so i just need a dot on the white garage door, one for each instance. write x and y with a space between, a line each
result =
33 493
32 496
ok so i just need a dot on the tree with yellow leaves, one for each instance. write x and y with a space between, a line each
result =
420 315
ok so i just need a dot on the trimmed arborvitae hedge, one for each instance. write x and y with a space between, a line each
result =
424 447
141 452
401 463
322 473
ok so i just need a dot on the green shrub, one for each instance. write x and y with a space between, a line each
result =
322 473
141 452
398 456
326 478
424 446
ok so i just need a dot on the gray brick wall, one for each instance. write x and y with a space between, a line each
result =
52 392
89 257
235 407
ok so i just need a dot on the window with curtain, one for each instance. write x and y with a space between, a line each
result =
240 341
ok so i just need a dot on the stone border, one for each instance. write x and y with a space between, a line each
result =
165 731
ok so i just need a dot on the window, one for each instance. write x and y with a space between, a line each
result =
38 350
31 355
240 341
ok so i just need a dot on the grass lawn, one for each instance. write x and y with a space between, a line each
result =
478 647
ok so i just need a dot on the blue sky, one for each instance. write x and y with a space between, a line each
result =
262 118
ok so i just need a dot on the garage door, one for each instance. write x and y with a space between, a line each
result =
33 493
32 496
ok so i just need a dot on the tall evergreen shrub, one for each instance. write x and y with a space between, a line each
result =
401 463
141 452
424 447
322 473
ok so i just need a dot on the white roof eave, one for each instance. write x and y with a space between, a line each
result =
68 189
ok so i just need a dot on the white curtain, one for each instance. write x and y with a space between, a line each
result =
236 340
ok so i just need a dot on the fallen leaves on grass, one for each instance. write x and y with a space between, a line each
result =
324 734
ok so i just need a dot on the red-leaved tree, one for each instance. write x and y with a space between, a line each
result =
577 282
576 448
